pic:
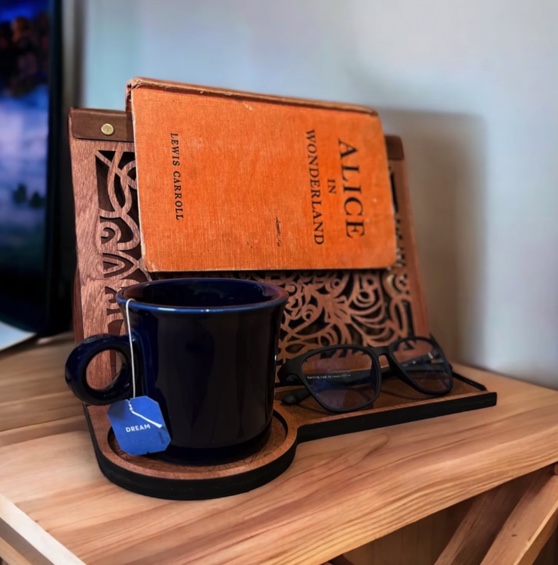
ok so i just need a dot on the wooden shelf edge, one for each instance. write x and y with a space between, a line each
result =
35 535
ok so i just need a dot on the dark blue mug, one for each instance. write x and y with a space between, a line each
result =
205 350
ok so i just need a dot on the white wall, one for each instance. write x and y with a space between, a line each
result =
470 87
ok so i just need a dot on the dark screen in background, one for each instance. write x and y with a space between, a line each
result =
24 135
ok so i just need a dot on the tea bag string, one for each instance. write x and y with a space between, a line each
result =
131 346
156 424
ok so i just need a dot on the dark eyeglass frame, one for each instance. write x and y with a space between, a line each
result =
292 374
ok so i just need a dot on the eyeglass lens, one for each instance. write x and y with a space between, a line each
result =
342 378
424 364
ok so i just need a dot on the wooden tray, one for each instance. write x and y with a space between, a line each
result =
152 476
368 307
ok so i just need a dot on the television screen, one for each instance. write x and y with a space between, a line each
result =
29 116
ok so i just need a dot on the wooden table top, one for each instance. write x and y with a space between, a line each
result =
338 494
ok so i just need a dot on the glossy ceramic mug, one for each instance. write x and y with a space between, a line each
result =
205 350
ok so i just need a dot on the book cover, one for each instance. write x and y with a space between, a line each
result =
237 181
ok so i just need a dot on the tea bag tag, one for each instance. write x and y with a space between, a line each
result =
139 426
137 422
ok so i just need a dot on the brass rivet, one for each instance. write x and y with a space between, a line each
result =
107 129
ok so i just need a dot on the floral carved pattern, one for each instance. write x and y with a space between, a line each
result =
369 307
119 233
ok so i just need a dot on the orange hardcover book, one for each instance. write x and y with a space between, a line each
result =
237 181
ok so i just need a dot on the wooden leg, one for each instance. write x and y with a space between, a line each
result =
481 524
16 551
529 526
419 543
509 524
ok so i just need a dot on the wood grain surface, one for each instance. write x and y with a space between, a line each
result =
356 488
34 398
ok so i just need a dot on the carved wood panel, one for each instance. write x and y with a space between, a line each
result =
370 307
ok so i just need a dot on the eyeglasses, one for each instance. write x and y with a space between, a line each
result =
345 378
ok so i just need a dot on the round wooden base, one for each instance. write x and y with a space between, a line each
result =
153 476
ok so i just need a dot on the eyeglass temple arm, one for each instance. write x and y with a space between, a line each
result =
428 358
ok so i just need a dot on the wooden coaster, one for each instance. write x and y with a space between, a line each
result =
155 477
152 476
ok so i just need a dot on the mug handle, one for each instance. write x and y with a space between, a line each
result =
79 359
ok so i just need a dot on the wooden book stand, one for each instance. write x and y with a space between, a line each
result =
369 307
